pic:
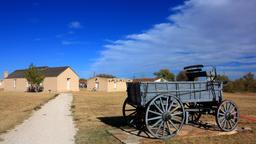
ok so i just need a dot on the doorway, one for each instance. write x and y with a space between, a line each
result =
68 84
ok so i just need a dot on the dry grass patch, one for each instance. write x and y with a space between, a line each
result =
17 106
90 109
96 112
245 101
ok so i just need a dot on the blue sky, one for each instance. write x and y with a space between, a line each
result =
130 37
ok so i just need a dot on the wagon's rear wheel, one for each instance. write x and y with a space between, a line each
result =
193 116
132 114
227 115
165 116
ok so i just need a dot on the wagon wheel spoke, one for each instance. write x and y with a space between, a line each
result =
173 124
156 123
222 120
221 114
232 109
155 118
158 107
230 124
233 122
162 105
228 106
227 125
154 112
177 120
175 109
133 113
224 124
163 128
130 110
168 127
170 106
167 102
159 127
222 110
133 106
177 113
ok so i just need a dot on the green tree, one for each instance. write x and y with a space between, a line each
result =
228 84
239 85
249 82
182 76
34 77
165 74
105 75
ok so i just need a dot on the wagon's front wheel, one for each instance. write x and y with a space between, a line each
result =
165 116
227 115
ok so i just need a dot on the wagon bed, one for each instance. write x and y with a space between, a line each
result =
140 93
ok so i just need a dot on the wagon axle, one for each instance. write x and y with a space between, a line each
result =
166 116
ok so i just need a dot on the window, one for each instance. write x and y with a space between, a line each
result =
115 85
97 85
14 83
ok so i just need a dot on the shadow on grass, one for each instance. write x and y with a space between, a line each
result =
115 121
120 123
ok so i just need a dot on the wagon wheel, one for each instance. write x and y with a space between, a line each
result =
193 117
132 114
165 116
227 115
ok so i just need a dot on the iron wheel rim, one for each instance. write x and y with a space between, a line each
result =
227 116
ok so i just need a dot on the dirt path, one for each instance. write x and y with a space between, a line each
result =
52 124
246 117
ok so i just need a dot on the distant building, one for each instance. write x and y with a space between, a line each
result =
149 80
57 79
107 84
1 84
5 75
82 83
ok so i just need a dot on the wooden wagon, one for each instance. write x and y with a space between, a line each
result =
163 107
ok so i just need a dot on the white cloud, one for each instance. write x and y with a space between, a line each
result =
219 32
75 25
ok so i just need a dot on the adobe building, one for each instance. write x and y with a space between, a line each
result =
107 84
57 79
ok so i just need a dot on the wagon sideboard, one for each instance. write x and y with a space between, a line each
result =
193 91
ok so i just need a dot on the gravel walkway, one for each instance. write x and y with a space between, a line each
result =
52 124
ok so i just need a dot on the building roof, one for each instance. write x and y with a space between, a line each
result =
46 71
145 79
83 81
149 80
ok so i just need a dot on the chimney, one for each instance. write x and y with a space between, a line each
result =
6 74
